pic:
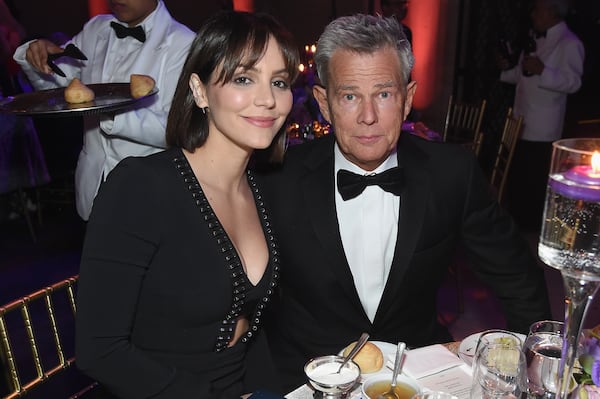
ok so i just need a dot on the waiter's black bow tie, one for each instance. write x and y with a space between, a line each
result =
351 185
124 31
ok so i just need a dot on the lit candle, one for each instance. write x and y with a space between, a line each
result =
313 49
580 182
301 68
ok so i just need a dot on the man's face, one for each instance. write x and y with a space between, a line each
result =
399 8
541 16
366 103
132 12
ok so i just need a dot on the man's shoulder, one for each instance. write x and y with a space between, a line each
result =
429 149
568 37
98 22
181 31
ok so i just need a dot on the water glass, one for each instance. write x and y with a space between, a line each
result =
542 350
499 336
499 371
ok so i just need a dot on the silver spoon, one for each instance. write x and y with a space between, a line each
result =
359 344
391 393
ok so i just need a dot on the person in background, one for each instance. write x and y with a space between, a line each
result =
544 77
179 261
397 9
157 48
11 35
368 219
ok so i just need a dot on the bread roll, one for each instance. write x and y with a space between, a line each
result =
76 92
140 85
369 358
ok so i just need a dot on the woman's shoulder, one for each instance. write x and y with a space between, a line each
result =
145 169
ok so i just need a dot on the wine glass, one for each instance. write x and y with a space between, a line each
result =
499 371
570 238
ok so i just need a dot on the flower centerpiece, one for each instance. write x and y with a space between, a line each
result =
588 375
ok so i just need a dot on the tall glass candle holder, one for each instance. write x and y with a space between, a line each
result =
570 238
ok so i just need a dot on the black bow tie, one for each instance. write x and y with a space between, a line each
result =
124 31
351 185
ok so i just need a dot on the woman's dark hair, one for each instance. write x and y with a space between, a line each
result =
226 41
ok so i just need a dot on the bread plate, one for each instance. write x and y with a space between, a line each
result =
387 349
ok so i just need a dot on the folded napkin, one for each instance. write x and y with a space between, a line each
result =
428 360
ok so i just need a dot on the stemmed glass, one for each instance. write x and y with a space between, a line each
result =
570 238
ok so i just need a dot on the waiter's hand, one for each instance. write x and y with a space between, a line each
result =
533 64
37 54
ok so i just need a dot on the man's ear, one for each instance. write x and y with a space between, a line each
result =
198 90
320 94
410 93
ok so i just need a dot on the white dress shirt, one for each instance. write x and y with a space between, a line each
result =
542 99
368 227
109 138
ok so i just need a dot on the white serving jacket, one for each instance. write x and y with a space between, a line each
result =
542 99
108 138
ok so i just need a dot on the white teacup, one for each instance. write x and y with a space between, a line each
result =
374 386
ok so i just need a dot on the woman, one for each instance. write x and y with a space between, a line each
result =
179 261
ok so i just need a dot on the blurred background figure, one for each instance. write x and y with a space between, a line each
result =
398 9
549 68
22 162
11 35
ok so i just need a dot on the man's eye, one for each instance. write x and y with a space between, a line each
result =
385 94
349 97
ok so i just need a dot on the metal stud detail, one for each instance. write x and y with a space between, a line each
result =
239 281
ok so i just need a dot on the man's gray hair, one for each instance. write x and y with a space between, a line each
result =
363 34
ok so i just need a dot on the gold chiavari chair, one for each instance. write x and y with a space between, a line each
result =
463 123
33 331
504 156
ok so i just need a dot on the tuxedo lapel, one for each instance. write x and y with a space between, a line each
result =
413 202
318 189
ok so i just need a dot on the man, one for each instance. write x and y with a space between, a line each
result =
554 69
158 49
370 260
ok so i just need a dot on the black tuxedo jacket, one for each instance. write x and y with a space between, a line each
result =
446 202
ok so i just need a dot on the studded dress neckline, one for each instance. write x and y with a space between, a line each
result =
239 282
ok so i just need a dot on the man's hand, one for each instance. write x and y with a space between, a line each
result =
532 64
37 54
502 63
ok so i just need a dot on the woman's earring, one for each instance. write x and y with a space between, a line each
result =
205 110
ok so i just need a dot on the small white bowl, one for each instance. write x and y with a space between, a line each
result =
321 373
381 383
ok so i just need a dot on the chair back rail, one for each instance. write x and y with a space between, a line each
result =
62 291
463 123
506 150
